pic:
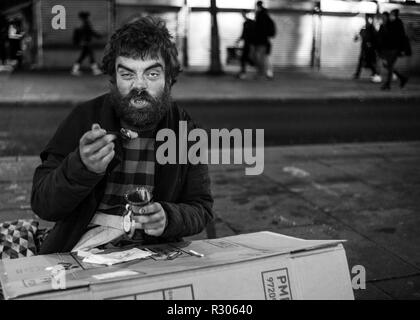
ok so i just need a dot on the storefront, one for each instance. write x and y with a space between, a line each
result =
306 37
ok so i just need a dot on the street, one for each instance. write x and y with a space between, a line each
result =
26 129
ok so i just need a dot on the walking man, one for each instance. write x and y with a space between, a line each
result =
367 58
264 29
248 38
82 37
391 43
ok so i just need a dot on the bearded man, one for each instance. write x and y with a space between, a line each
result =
88 166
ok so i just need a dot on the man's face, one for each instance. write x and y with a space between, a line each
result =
392 16
140 95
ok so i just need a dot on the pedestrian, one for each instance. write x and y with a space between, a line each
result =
82 38
248 39
4 27
87 167
391 45
264 30
15 42
367 57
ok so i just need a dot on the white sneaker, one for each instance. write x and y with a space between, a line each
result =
376 78
394 77
95 70
75 70
269 74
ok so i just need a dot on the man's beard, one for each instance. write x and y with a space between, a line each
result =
143 119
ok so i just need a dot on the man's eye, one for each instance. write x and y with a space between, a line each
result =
153 74
126 75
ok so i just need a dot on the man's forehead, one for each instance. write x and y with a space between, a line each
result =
139 63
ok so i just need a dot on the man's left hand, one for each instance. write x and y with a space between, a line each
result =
152 218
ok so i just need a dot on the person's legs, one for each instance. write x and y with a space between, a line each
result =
76 66
267 63
403 79
260 57
2 51
390 59
83 54
244 57
94 67
356 75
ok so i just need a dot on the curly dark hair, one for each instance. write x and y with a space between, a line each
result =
145 37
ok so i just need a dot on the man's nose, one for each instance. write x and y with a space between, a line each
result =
139 83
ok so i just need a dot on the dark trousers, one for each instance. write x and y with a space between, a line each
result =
390 58
86 52
245 57
3 51
367 59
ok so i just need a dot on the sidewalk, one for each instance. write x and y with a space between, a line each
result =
367 194
60 88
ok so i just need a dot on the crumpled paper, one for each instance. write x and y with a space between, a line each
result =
114 257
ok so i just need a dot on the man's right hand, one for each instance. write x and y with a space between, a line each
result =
96 149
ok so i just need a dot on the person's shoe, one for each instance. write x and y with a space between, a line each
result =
355 76
394 77
95 69
242 76
376 78
386 87
269 74
403 82
75 70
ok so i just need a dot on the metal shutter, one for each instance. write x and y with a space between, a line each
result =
125 13
338 49
292 45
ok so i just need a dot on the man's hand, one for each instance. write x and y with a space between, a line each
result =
96 149
152 218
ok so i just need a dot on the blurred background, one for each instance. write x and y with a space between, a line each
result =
315 34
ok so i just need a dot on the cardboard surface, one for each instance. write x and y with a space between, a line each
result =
262 265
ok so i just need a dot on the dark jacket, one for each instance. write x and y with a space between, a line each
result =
392 36
262 21
369 37
83 35
248 31
65 192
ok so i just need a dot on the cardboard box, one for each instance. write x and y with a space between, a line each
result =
262 265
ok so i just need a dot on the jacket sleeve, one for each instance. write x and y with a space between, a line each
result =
60 184
193 212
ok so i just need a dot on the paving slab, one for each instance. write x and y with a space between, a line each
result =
407 288
378 262
15 195
16 169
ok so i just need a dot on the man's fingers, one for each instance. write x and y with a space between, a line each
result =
149 209
151 226
91 136
102 152
107 159
98 144
153 232
149 218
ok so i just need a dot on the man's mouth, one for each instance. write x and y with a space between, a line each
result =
139 103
